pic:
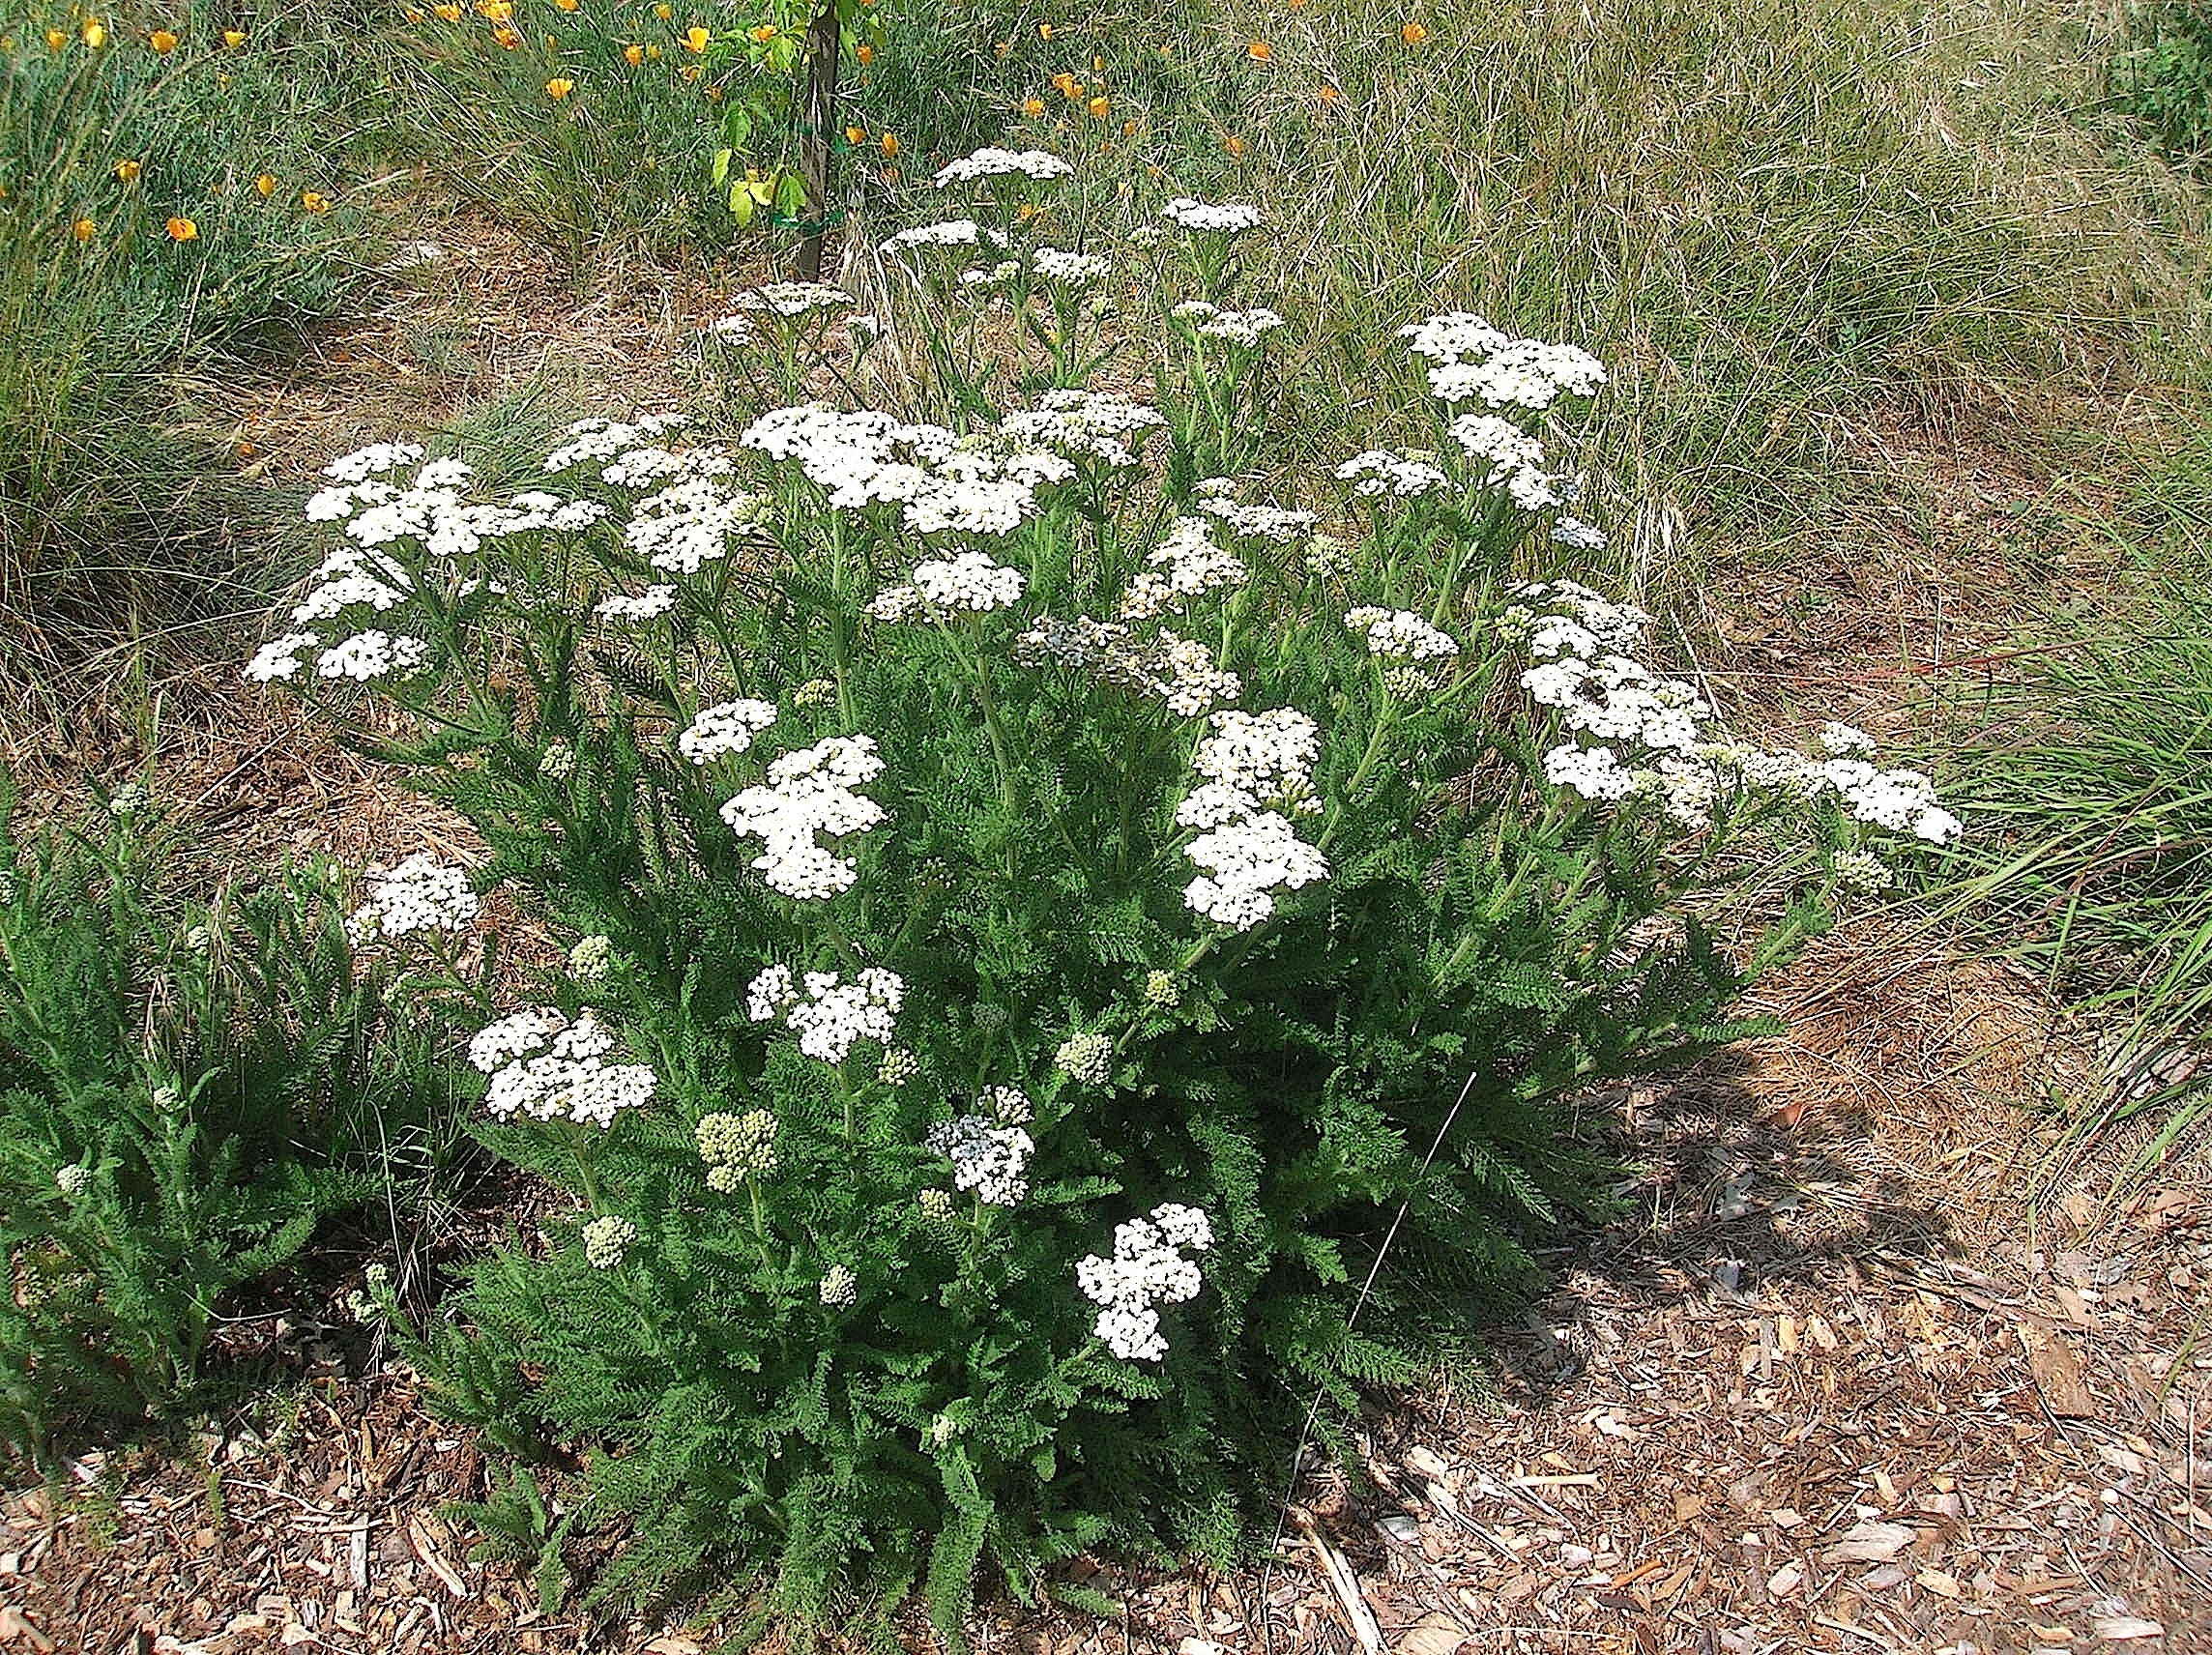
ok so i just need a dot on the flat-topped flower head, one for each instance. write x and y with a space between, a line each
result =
1218 218
948 233
1377 472
421 894
832 1015
1146 1269
374 460
793 299
724 730
809 794
1070 268
991 162
1239 326
1399 634
649 604
989 1156
971 582
1246 863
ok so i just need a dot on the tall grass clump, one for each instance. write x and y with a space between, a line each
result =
1773 219
1079 935
2093 778
175 199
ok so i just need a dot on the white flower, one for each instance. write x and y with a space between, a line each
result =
653 600
834 1015
279 658
1845 741
1185 565
788 299
1085 1058
1262 522
726 729
970 581
1577 536
1266 757
75 1180
1239 326
1452 336
989 1158
839 1288
421 894
372 461
1377 472
591 958
1862 872
1227 217
951 233
517 1035
1590 772
1249 860
373 654
1076 270
1399 634
991 162
689 524
1147 1268
809 793
894 603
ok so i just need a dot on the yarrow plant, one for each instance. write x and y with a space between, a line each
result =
985 829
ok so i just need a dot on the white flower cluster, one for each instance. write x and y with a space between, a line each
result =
591 959
839 1288
421 894
1652 730
981 484
431 512
950 233
1222 218
1147 1270
1084 425
1577 536
1185 565
793 299
279 658
374 460
1515 459
652 601
1248 861
597 439
689 524
1237 327
373 654
990 1152
1276 523
832 1015
970 581
1072 270
723 729
809 793
1257 766
543 1066
1377 472
1472 359
992 161
1400 635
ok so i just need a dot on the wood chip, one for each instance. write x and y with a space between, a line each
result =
1870 1543
2057 1371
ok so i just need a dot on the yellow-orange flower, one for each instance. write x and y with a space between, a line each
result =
855 135
566 5
184 230
1067 86
633 55
653 53
1236 145
413 15
222 82
714 94
84 229
697 39
866 52
763 32
56 39
889 143
664 11
265 185
1412 34
95 33
314 201
1004 48
690 71
128 170
1128 128
495 10
1329 95
1260 51
236 38
1032 105
450 13
1097 66
1101 107
163 41
506 36
1026 211
1044 31
559 87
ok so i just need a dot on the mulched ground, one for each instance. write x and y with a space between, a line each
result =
1825 1385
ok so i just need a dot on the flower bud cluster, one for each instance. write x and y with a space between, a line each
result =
1086 1058
1147 1270
736 1147
608 1242
591 959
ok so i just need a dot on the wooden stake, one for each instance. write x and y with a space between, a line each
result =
824 43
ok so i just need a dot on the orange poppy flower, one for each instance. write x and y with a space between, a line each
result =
1032 105
56 39
866 52
84 229
697 38
1260 51
184 230
559 87
1236 146
236 38
96 35
506 36
1412 34
889 143
763 32
314 201
855 135
633 55
1101 107
128 170
265 185
163 41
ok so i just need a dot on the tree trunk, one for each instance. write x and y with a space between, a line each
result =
824 39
